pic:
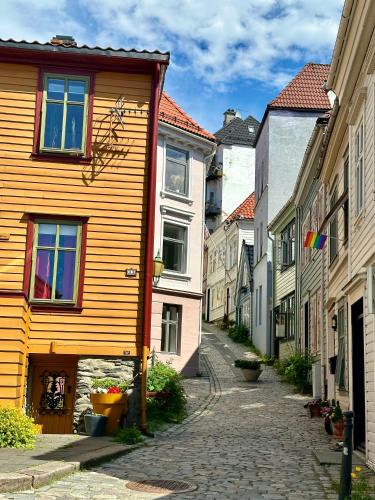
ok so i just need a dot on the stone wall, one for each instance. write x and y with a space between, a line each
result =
117 368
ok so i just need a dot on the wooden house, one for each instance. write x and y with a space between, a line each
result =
78 144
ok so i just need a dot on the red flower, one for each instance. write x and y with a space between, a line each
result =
114 390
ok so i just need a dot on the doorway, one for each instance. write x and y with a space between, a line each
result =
358 382
53 384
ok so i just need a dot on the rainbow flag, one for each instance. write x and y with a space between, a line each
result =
315 240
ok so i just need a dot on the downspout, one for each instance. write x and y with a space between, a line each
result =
271 318
149 257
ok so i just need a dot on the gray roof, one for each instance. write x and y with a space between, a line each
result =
237 132
86 50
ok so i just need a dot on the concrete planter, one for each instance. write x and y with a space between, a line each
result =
251 375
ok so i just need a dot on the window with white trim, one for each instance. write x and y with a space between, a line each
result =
340 364
175 247
359 168
177 171
170 328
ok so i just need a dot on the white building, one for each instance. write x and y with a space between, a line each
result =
232 172
280 146
223 252
183 150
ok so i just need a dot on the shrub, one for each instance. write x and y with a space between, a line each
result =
172 408
267 360
239 334
250 364
296 369
129 435
16 429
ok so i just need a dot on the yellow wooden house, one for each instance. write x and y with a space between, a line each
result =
77 169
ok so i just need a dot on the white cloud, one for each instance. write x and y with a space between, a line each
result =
219 41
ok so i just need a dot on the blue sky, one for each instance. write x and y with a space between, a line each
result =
225 53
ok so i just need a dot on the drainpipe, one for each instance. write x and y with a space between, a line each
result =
149 257
272 295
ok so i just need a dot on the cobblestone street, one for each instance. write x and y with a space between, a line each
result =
241 440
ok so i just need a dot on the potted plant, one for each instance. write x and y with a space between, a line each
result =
250 368
95 424
109 398
315 407
337 420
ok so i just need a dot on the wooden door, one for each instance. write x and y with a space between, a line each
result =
53 393
358 382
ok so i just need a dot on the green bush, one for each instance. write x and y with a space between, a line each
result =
16 429
239 334
171 408
296 369
250 364
129 435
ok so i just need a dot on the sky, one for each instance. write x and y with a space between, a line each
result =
224 53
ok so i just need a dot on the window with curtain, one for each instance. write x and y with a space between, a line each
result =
170 328
174 248
345 206
340 364
176 171
64 113
287 308
333 229
287 249
55 263
359 168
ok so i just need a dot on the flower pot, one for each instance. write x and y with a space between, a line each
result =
95 425
251 375
338 428
112 406
314 411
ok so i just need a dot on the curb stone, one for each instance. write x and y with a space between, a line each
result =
40 475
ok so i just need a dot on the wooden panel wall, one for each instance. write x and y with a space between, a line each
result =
111 191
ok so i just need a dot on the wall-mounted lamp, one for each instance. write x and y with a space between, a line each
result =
334 322
158 268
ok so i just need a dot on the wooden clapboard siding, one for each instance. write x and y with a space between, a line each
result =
111 192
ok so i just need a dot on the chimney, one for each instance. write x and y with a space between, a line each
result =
230 115
66 40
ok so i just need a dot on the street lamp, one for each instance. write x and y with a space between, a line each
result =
158 269
334 322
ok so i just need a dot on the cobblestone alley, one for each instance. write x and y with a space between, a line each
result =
241 440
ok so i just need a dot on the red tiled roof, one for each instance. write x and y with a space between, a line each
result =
244 211
170 112
305 91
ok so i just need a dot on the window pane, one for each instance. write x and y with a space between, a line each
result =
53 125
65 275
175 177
173 256
174 232
177 154
68 236
46 235
44 274
172 346
164 328
55 89
76 90
74 126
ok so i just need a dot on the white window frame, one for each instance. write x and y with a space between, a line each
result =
172 194
359 148
168 322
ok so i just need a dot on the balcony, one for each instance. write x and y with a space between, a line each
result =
212 209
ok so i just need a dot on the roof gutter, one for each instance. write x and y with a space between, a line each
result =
341 35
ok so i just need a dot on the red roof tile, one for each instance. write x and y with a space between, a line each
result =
170 112
305 91
245 210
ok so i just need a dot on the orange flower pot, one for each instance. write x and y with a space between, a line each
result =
113 406
338 429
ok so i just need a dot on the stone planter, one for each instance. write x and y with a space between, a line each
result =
251 375
113 406
95 425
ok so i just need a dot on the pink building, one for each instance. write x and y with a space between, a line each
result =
184 148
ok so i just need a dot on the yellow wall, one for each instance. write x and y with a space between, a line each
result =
111 191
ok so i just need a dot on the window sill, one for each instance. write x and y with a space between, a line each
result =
63 158
176 276
53 308
176 196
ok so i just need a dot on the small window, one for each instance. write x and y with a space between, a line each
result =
174 247
340 365
64 114
176 171
55 262
333 229
359 168
287 246
345 206
170 328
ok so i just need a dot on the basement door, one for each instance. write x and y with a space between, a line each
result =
53 393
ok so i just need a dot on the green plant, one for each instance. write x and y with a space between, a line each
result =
104 384
129 435
163 378
361 487
337 413
239 334
17 430
249 364
267 360
296 369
